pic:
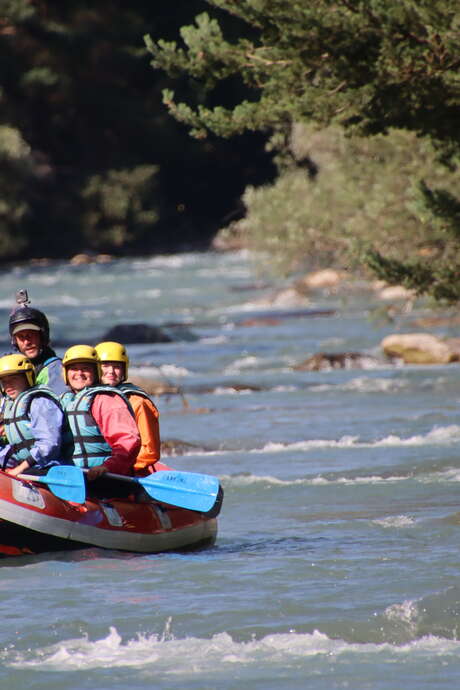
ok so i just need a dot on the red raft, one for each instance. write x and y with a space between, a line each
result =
34 520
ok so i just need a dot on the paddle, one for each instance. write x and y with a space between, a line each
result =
189 490
65 481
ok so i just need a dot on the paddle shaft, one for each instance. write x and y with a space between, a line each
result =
183 489
42 478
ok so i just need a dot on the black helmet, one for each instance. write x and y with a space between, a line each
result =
23 314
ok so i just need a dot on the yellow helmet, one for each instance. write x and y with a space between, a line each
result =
17 364
113 352
81 353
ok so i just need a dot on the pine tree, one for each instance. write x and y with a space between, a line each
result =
367 65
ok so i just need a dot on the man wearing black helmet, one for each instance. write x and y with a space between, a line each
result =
30 334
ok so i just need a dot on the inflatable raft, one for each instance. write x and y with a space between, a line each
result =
35 520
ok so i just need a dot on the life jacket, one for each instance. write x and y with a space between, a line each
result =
90 447
131 389
65 399
16 420
38 367
44 359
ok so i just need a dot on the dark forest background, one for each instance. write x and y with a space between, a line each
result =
90 159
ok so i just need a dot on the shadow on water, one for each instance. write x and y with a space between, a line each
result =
276 546
96 554
74 556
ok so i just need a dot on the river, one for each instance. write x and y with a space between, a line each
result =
337 556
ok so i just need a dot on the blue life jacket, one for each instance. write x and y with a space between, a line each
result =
49 373
16 420
90 447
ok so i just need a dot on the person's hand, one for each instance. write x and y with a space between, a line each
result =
14 471
95 472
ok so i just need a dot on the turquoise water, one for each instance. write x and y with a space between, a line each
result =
337 559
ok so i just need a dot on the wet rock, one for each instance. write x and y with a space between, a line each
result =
288 297
261 321
41 261
249 287
175 446
436 321
237 387
154 387
139 333
454 345
421 348
81 259
325 279
274 317
338 360
131 333
396 292
90 258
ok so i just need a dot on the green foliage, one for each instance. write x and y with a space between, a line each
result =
443 283
117 206
366 65
16 170
369 66
362 195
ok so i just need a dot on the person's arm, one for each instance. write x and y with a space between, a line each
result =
119 429
149 429
46 419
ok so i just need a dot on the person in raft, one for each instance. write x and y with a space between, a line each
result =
105 435
114 372
34 423
30 335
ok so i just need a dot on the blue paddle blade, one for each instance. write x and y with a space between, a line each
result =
189 490
65 481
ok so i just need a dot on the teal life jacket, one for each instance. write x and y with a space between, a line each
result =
65 399
131 389
90 447
16 420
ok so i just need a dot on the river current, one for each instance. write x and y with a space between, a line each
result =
337 559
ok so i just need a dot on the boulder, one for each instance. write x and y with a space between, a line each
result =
396 292
133 333
420 348
176 446
141 333
153 386
338 360
80 259
286 297
324 279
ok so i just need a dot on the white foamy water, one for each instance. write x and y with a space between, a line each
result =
442 436
163 369
363 384
192 656
395 521
242 480
438 435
